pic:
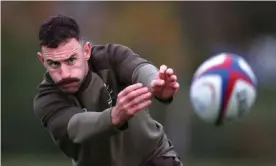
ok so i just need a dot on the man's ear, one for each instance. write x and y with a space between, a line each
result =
40 58
87 50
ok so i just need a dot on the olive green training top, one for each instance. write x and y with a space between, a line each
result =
80 124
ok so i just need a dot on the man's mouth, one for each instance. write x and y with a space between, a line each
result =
69 84
66 83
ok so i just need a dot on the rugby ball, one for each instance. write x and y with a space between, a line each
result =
223 89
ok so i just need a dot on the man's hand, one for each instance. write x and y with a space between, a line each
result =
165 85
130 101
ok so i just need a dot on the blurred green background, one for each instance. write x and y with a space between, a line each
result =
178 34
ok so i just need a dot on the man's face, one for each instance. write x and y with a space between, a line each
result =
67 64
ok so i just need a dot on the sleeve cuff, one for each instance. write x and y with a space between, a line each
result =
122 127
84 126
165 101
114 128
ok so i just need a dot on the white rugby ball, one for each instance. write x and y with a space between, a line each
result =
223 89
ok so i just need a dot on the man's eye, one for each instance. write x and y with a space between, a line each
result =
71 61
54 64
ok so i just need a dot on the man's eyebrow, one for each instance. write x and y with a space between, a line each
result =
72 56
50 60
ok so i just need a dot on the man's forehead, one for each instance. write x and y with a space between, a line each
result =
63 51
58 55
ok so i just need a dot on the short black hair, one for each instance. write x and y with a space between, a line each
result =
58 29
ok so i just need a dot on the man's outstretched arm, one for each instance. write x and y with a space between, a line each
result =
131 68
66 122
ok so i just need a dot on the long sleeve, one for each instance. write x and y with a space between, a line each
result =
131 68
70 125
127 65
145 74
125 61
87 125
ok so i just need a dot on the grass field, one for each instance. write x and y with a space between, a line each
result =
50 160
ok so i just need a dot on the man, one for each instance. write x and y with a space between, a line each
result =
94 100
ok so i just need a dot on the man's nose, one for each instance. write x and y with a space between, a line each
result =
65 71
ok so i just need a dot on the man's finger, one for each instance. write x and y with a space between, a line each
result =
138 100
140 106
136 93
162 70
169 72
130 89
175 85
173 78
157 83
